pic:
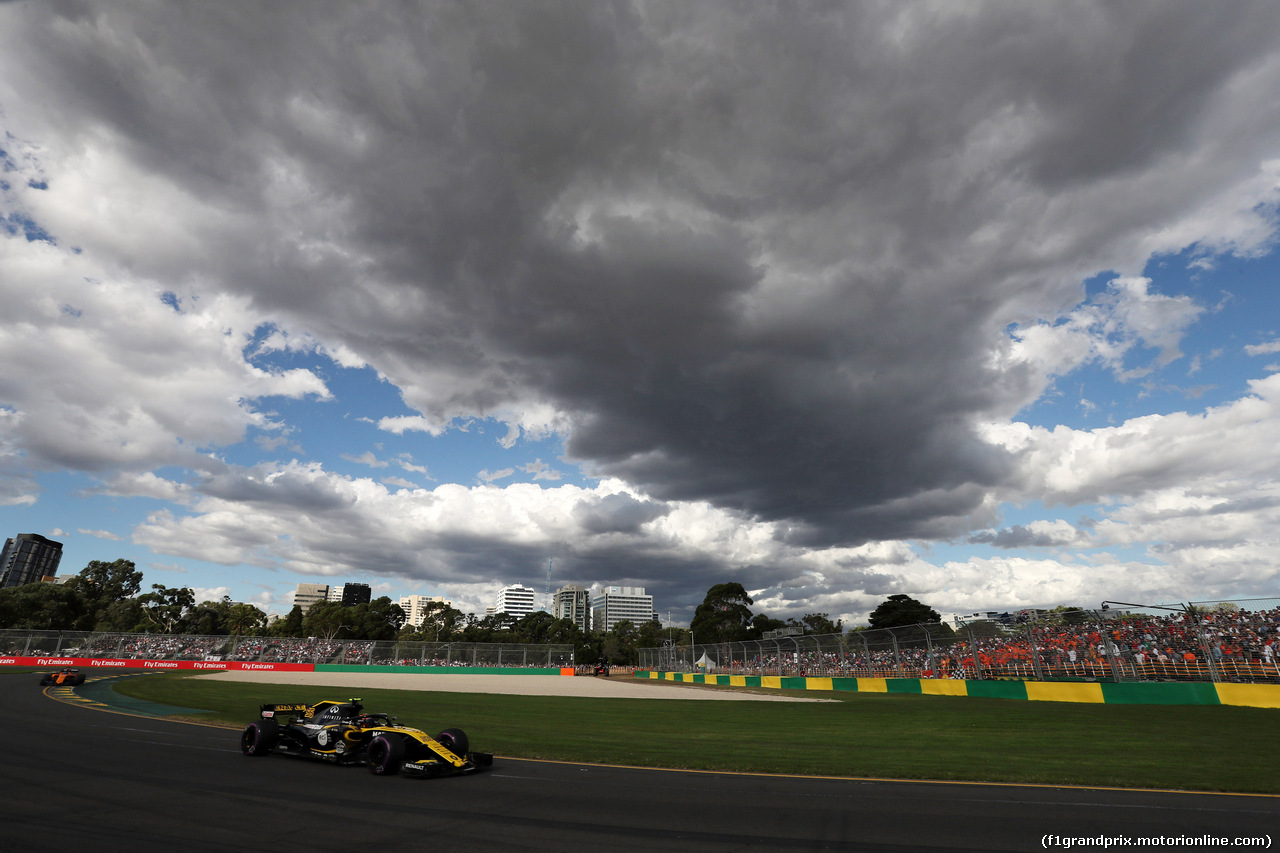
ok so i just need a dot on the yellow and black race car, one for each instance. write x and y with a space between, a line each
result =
65 677
342 733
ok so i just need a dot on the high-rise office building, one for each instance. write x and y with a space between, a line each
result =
29 558
350 593
573 603
356 593
308 594
516 600
616 603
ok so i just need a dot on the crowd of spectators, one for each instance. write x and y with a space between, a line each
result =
313 650
464 659
152 646
1218 645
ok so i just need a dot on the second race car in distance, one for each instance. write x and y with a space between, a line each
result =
342 733
67 677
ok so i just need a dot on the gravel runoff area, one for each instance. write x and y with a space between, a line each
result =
617 686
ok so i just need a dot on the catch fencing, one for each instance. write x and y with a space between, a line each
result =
314 650
1217 641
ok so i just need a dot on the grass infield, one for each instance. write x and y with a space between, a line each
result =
898 736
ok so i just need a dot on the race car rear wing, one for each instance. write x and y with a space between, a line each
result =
299 710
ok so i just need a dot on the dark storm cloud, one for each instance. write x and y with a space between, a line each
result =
761 256
617 513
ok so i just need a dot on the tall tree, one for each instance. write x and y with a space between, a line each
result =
761 623
325 619
534 627
103 584
619 643
441 623
209 618
123 615
899 610
564 631
245 619
165 607
289 626
650 634
820 623
723 615
39 606
380 619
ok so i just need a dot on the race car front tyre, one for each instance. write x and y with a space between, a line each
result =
455 740
259 738
77 681
385 754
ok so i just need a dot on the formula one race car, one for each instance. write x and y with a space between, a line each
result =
342 733
67 677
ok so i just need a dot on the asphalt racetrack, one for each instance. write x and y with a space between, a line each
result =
76 778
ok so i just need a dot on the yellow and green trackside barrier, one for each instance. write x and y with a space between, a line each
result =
1127 693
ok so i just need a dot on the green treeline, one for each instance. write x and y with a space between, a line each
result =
108 597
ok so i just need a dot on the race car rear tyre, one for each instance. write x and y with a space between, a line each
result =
259 738
385 754
455 740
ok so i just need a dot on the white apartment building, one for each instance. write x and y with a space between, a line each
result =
573 603
516 600
616 603
415 607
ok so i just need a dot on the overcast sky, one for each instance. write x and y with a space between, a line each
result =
975 301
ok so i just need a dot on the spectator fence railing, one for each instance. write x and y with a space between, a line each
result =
1237 641
313 650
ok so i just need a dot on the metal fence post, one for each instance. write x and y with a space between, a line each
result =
973 646
1214 675
1035 652
1110 649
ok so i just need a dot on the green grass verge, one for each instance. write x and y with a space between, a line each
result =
896 736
